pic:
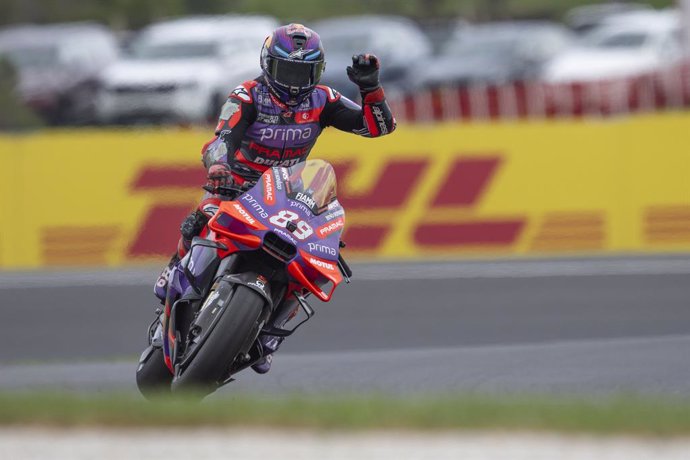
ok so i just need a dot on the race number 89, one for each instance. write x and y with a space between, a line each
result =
283 217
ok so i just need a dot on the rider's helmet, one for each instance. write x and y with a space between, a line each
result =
292 60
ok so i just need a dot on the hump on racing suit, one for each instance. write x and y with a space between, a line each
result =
256 131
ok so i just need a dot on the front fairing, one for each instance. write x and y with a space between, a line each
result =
299 205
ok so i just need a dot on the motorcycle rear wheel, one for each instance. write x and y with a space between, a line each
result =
223 344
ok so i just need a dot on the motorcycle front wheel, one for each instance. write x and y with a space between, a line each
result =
153 376
212 361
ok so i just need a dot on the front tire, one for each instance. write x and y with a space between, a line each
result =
223 344
153 376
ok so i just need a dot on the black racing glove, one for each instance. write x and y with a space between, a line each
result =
364 72
219 174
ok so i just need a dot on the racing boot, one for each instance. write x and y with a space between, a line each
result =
270 344
160 289
191 226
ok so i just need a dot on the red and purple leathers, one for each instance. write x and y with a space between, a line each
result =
256 131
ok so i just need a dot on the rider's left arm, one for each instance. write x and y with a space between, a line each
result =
374 119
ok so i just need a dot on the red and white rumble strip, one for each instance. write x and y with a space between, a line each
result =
170 444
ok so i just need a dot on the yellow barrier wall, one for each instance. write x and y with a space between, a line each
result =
116 197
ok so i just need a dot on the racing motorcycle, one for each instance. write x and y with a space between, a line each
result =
246 278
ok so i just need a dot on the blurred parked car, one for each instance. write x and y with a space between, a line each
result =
397 41
57 67
495 53
624 45
585 18
182 70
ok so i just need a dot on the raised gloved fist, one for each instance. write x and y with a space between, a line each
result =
364 72
219 174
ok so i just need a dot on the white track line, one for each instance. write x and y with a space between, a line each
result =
544 268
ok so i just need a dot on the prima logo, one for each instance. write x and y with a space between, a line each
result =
256 206
303 208
280 133
322 248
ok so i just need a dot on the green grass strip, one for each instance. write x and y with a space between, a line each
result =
618 415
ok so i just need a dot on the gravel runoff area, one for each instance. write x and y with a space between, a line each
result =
40 443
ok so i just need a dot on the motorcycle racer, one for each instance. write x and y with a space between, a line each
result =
275 120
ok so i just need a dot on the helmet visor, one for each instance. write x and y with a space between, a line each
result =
295 73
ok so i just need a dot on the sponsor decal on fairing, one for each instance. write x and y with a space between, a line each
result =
321 263
256 206
277 178
269 195
300 206
302 229
331 227
322 248
286 235
306 199
334 214
243 212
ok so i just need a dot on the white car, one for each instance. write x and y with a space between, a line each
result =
183 70
624 45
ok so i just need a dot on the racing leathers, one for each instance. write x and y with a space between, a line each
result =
256 131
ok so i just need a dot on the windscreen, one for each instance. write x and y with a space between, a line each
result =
313 184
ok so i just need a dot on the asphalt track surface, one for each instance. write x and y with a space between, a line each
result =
592 326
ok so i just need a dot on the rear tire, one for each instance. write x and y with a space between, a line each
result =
224 342
153 376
